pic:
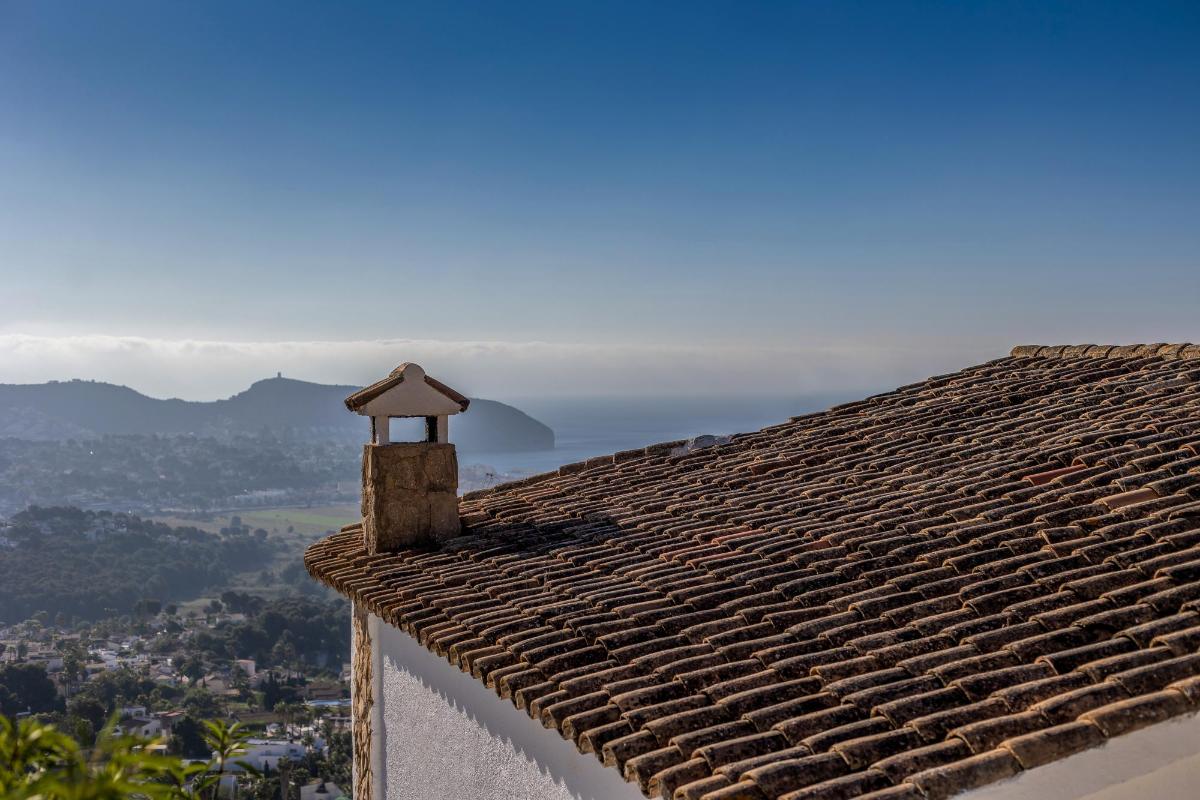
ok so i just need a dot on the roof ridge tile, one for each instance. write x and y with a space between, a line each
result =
1185 350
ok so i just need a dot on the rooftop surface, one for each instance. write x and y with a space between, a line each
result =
905 597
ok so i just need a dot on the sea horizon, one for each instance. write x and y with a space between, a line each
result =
585 427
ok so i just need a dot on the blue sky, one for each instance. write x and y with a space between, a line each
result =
589 197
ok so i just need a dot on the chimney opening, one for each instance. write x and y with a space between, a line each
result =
399 430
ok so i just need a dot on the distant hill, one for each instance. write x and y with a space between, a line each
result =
74 409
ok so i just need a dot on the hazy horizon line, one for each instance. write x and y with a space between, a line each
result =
205 370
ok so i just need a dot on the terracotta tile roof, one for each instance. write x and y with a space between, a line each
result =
903 597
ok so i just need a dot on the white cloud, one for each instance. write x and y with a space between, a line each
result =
198 369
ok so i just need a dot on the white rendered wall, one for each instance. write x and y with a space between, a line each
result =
442 734
439 733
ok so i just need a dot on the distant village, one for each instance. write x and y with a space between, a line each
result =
150 608
159 686
146 474
153 474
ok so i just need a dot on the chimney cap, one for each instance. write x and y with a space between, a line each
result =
407 392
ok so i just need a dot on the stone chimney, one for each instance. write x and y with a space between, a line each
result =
410 489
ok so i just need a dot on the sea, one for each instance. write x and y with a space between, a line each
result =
593 426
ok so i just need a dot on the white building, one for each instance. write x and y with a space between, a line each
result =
267 753
146 727
987 582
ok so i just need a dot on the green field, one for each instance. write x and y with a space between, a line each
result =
304 521
297 528
317 520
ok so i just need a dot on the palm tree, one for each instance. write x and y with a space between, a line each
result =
290 713
227 743
72 669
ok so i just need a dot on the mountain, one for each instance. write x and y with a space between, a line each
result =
74 409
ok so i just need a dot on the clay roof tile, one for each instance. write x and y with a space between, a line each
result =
988 555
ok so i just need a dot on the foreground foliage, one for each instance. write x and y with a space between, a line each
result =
39 761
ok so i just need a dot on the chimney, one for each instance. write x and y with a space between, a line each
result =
410 489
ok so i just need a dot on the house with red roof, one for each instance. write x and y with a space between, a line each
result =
986 582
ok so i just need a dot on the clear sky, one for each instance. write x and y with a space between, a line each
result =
577 197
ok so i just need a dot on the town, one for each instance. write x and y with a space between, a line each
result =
160 673
113 624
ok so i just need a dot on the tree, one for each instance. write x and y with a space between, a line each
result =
339 755
237 676
272 693
193 668
227 743
267 787
81 730
88 708
332 766
119 686
72 669
292 713
28 689
44 763
201 703
284 651
187 739
137 565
